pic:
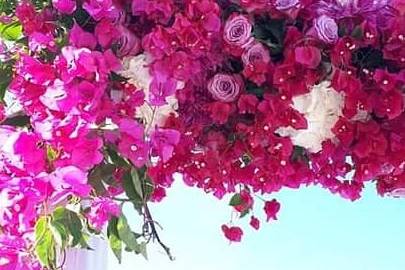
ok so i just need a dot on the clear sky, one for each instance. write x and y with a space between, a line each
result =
315 231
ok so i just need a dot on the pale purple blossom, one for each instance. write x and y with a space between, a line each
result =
286 4
237 31
326 29
225 87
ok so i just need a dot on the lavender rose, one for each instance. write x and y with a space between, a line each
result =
224 87
256 53
286 4
237 31
326 29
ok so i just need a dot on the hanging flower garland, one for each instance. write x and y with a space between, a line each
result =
102 102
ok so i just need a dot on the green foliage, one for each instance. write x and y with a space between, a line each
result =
101 176
236 200
6 74
271 32
120 234
116 246
254 89
45 243
7 6
125 233
11 31
72 224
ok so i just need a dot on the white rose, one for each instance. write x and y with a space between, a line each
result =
321 107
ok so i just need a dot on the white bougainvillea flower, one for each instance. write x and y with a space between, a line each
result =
136 69
321 107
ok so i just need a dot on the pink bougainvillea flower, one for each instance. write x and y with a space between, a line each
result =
220 111
106 33
101 9
70 179
36 72
254 223
65 6
271 209
80 38
233 234
101 210
158 194
247 103
309 56
164 141
132 142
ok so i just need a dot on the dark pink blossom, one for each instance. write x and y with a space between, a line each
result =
254 223
271 209
233 234
309 56
65 6
101 210
164 141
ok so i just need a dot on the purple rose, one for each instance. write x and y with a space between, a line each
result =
326 29
286 4
256 53
65 6
237 31
224 87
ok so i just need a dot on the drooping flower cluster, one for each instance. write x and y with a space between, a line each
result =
239 97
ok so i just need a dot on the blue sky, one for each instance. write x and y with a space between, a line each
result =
315 231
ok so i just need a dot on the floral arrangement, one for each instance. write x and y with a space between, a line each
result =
104 101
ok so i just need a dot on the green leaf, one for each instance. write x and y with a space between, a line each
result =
142 250
45 244
59 233
149 187
136 182
112 227
51 153
11 32
99 175
116 246
115 157
72 222
131 193
236 200
244 213
357 32
6 75
125 233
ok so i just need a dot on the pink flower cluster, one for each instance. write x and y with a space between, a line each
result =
233 68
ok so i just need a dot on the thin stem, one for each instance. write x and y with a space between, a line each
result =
155 233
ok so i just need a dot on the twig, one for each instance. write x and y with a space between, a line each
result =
155 233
